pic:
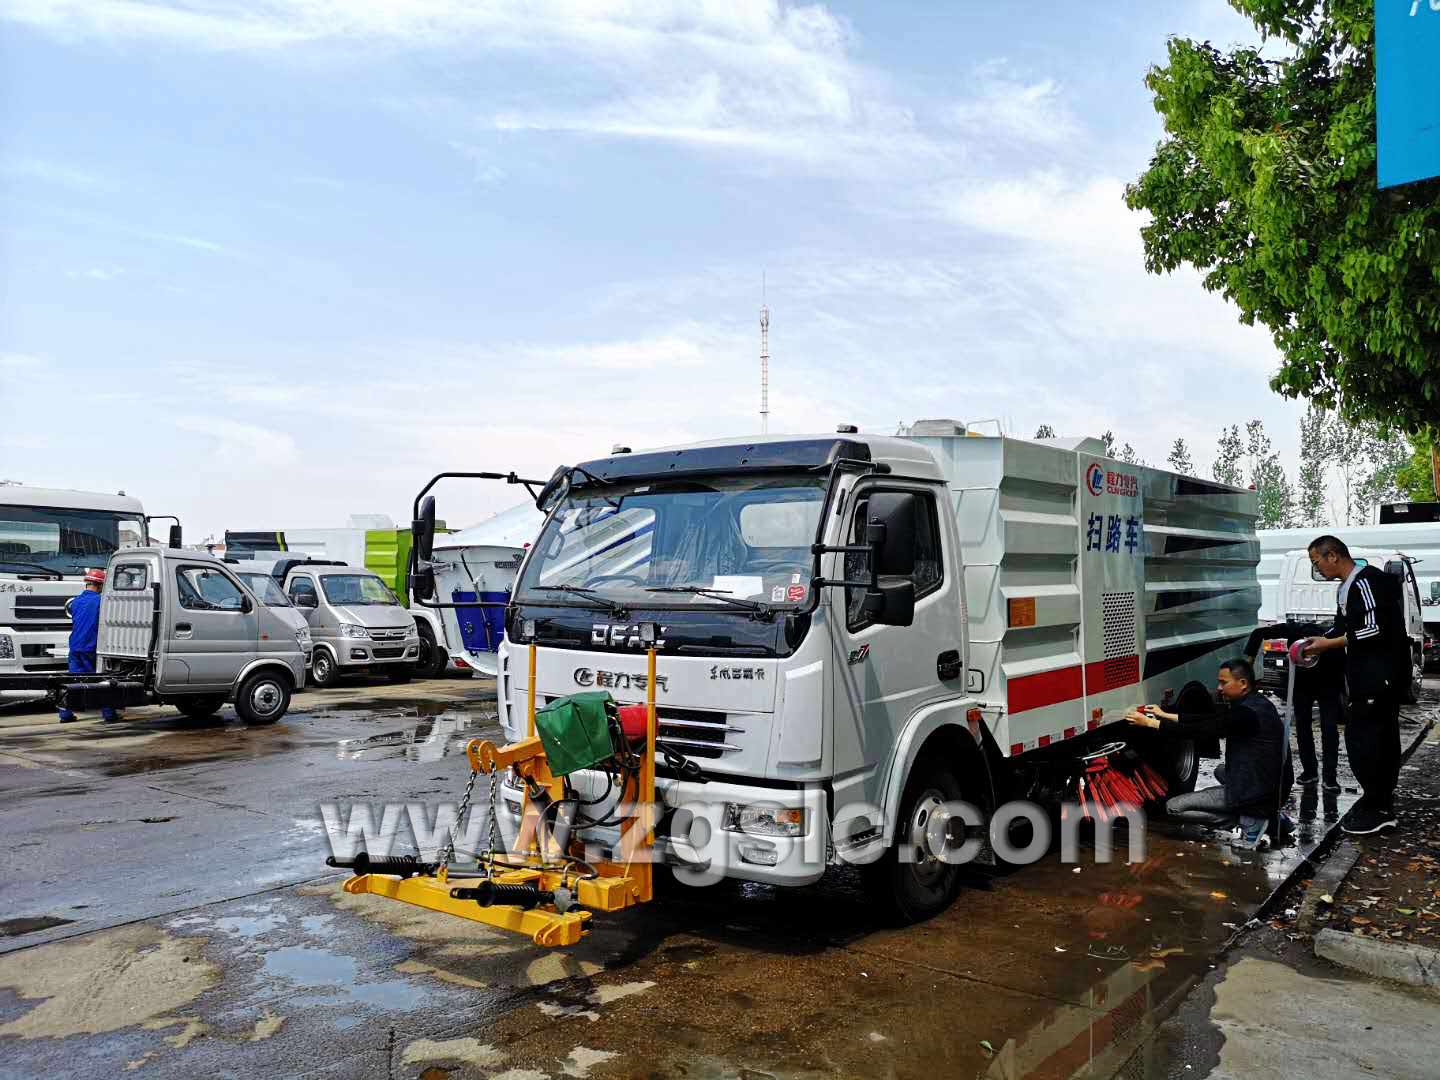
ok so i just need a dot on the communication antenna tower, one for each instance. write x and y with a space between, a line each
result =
764 361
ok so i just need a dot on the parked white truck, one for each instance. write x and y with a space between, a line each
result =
1023 595
48 538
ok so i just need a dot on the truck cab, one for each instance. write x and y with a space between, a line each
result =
48 539
357 624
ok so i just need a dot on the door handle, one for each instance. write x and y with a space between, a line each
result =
947 665
182 629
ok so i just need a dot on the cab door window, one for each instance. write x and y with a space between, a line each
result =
204 589
929 570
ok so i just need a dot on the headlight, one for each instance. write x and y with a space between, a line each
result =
302 635
7 647
765 820
350 630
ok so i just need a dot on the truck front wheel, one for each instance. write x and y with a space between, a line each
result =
912 881
1417 678
323 673
433 659
263 698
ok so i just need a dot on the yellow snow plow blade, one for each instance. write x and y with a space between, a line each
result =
537 890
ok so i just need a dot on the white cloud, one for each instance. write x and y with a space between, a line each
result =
22 361
242 445
50 172
95 273
1011 109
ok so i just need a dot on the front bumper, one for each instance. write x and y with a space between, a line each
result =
364 652
690 833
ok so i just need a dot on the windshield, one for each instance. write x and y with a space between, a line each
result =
266 588
356 589
741 538
63 541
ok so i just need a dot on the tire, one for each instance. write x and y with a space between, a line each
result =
263 697
433 659
399 675
324 672
919 887
1178 761
1417 680
200 706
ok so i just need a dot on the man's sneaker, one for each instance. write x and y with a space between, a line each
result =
1364 822
1331 784
68 717
1244 843
1309 776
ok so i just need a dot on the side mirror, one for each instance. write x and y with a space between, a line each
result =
422 530
246 605
555 489
176 536
305 600
891 605
891 534
422 583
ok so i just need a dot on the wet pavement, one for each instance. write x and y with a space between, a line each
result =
165 910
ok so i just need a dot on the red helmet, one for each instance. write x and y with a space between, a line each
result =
94 577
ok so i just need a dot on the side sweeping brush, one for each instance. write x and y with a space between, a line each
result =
1116 776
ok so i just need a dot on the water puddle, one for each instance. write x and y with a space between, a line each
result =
429 739
307 966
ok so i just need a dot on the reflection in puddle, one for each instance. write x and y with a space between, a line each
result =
307 966
430 739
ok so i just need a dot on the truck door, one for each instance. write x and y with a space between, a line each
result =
884 674
211 632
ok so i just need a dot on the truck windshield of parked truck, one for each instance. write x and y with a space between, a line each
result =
681 542
43 539
266 588
356 589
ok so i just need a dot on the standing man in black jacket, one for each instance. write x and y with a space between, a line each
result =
1322 685
1370 627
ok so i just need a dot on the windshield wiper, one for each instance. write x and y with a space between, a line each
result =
589 594
35 565
719 594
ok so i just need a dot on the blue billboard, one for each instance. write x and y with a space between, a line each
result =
1407 89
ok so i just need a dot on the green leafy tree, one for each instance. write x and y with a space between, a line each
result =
1128 455
1045 431
1179 459
1314 468
1416 477
1267 477
1109 440
1229 467
1266 183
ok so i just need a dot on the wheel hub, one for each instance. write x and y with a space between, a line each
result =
926 863
265 699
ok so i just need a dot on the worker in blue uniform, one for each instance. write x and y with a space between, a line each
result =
85 636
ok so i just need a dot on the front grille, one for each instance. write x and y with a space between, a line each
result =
56 666
52 608
382 634
695 732
389 653
37 651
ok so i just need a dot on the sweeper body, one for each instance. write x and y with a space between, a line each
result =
852 631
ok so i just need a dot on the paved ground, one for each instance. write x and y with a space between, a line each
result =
168 913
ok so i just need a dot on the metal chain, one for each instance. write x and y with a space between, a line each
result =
449 852
494 825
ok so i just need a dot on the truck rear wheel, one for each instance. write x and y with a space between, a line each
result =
263 698
433 659
200 706
323 672
911 882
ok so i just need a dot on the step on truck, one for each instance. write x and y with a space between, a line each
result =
852 631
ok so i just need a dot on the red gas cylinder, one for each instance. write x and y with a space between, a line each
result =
633 721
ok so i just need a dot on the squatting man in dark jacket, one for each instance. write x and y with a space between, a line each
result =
1257 761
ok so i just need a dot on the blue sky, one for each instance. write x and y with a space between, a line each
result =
269 264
